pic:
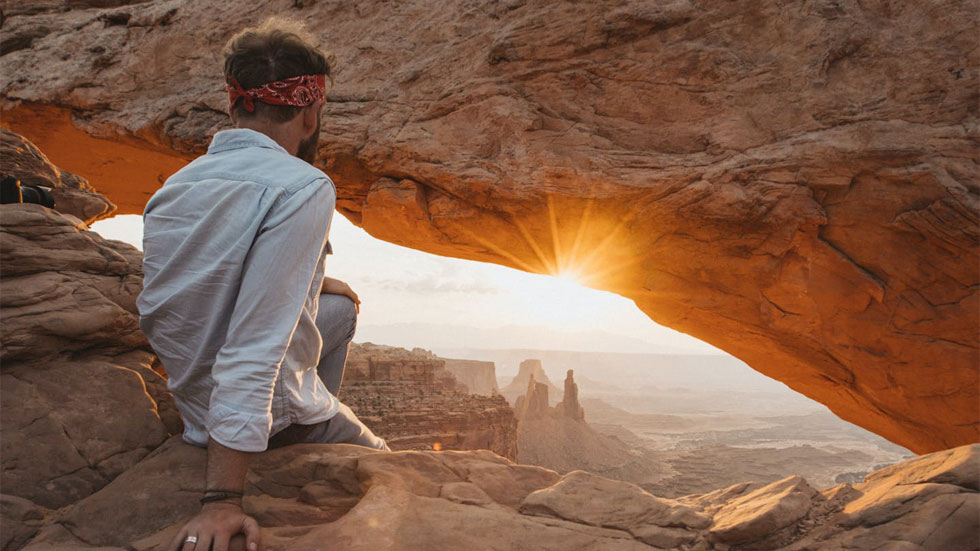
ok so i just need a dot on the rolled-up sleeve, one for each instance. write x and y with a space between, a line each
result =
276 279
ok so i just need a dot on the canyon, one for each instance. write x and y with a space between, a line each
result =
796 186
414 402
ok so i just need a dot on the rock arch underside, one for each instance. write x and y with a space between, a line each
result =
793 182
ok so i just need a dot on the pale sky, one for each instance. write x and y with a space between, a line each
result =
461 303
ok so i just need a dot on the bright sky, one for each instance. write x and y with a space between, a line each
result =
446 302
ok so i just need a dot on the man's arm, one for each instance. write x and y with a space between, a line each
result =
276 280
219 521
333 286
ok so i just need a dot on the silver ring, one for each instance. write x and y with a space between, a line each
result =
191 539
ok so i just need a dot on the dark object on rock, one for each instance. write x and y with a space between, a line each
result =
11 191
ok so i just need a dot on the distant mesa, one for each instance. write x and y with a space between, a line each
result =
519 385
479 377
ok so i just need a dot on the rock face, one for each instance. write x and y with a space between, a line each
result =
412 401
795 186
478 376
80 402
71 359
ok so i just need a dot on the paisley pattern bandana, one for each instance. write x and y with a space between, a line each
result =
296 91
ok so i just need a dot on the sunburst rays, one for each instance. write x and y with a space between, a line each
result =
580 242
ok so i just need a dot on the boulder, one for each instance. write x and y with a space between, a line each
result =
70 391
764 511
65 289
590 499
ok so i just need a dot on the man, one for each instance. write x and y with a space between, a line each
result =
235 302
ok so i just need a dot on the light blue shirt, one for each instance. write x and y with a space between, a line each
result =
234 247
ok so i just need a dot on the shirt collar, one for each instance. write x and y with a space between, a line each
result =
240 138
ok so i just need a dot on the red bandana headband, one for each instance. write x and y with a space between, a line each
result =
296 91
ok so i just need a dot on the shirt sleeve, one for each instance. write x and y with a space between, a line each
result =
275 285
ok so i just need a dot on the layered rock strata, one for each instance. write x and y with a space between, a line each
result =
411 400
797 187
80 400
479 377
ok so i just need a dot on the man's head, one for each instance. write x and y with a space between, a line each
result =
276 51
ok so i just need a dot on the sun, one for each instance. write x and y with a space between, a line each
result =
571 275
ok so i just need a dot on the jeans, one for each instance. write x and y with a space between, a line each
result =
336 320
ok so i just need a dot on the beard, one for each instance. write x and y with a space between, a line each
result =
308 146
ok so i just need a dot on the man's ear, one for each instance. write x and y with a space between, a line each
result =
309 117
234 117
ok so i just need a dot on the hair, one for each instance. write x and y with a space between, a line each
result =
276 49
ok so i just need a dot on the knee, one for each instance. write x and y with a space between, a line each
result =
350 313
337 309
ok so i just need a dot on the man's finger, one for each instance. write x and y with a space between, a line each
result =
178 539
253 535
220 543
189 546
204 543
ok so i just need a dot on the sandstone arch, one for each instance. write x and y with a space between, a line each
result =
795 183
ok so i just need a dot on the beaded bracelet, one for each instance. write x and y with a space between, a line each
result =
218 497
211 496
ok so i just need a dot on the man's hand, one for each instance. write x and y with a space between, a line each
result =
333 286
216 525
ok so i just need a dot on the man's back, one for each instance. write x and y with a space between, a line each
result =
234 246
